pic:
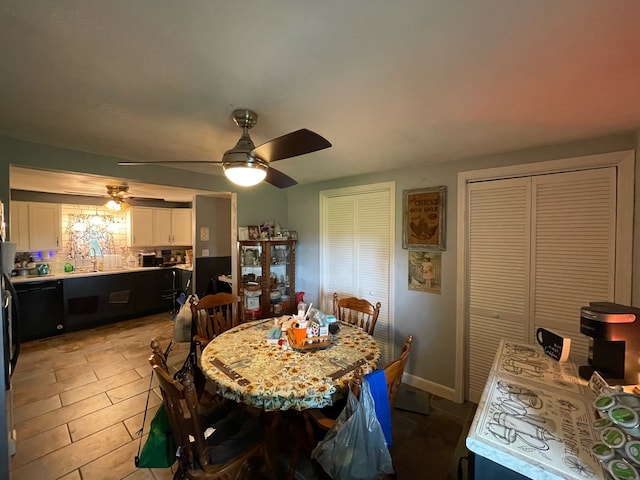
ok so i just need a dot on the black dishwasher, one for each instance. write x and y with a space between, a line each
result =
41 309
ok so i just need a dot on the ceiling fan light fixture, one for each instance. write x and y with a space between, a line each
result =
114 205
245 174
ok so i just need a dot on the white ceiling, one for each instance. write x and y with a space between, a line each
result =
390 84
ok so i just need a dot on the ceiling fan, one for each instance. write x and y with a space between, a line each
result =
247 165
117 196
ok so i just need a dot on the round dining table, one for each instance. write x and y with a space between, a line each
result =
247 368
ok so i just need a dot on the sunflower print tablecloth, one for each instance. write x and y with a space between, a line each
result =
274 379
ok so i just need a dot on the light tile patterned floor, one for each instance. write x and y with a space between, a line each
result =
79 400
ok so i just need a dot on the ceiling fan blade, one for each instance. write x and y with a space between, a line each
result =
84 194
144 199
291 145
279 179
172 162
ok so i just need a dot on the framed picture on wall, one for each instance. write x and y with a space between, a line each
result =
425 271
423 219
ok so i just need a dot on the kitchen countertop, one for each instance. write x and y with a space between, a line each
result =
62 276
536 416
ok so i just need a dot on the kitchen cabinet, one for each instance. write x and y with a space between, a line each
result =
99 299
141 228
160 226
172 226
267 273
50 306
181 227
82 302
19 225
35 226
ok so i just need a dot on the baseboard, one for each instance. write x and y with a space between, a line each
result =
429 386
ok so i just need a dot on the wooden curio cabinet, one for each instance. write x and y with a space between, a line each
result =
267 277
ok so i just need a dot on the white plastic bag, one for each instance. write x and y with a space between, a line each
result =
182 322
355 448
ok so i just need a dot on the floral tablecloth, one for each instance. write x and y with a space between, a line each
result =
271 378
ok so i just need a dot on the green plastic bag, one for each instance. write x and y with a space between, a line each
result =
159 450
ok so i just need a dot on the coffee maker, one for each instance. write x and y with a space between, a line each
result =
615 330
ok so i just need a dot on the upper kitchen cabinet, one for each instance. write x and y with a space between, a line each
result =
172 226
162 232
35 226
160 226
181 226
141 230
19 225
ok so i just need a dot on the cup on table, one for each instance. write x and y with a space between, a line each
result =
299 334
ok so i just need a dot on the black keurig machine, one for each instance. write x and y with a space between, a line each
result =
615 330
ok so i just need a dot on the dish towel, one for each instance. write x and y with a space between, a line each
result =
378 386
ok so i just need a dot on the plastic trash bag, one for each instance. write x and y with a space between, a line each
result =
354 448
182 322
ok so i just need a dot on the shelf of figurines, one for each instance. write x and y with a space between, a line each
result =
266 231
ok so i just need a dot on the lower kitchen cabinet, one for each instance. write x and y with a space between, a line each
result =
50 307
82 303
152 289
99 299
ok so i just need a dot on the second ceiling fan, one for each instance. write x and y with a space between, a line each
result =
247 165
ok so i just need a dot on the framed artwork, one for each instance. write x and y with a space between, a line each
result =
254 232
425 270
423 219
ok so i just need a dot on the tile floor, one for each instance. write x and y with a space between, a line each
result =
79 400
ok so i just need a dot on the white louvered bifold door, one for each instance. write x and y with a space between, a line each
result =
539 248
498 255
356 254
573 247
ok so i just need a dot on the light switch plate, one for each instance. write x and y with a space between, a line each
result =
204 234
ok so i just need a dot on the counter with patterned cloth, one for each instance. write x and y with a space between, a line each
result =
248 369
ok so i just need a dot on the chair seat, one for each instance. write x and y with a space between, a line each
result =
234 433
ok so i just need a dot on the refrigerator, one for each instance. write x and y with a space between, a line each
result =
9 348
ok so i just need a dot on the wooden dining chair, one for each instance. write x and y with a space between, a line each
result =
394 370
212 315
356 311
228 453
393 376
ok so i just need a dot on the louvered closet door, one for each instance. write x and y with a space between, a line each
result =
540 248
499 251
573 263
356 254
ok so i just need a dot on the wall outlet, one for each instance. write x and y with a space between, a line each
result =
205 252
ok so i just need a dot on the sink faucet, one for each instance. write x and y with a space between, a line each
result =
94 260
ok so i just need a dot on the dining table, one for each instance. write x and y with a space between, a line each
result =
251 369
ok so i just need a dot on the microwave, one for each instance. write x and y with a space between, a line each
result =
147 259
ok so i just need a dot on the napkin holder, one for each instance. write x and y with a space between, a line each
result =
308 344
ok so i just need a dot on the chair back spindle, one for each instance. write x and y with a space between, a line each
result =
356 311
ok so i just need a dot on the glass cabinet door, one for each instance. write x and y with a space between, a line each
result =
267 270
281 272
251 258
